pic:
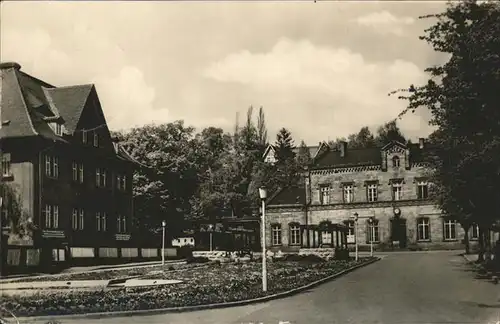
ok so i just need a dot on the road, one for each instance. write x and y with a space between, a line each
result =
401 288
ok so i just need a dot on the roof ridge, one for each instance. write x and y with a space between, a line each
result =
37 79
19 89
73 86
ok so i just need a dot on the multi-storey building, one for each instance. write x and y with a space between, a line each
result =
64 176
385 187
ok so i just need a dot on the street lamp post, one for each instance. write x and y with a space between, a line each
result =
163 225
210 228
263 196
356 216
372 234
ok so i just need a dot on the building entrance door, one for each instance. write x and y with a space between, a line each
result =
398 232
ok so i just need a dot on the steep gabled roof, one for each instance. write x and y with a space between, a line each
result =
15 113
69 103
365 156
266 152
313 150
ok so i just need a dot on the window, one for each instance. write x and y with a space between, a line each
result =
82 219
100 177
75 171
450 230
276 235
474 235
74 219
422 190
294 234
58 255
52 166
58 129
80 169
350 231
326 238
6 168
372 192
324 197
51 215
373 232
77 219
121 224
397 190
121 182
85 137
395 162
348 193
423 229
78 172
96 139
101 218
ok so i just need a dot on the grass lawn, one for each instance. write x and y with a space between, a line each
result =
202 284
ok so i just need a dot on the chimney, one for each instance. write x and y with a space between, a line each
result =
421 142
343 148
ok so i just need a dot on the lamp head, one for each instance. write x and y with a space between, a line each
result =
163 223
262 193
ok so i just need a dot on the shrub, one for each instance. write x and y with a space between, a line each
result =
185 252
310 258
197 260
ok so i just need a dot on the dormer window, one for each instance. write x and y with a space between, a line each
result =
395 162
57 128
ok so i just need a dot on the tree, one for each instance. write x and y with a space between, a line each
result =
304 155
284 146
165 185
261 130
389 132
462 95
363 139
209 201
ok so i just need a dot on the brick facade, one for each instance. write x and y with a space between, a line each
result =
358 168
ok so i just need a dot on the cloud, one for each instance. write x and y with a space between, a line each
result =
90 56
342 90
128 100
384 22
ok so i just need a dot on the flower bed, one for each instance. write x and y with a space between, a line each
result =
217 283
107 274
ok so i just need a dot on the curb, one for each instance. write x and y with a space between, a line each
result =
198 307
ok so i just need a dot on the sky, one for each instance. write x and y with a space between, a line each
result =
322 70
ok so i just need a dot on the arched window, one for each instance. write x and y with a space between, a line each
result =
395 162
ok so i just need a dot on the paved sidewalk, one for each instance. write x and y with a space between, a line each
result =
471 257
